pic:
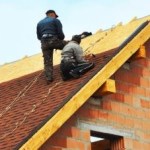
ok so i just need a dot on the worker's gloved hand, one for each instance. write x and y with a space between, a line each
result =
89 57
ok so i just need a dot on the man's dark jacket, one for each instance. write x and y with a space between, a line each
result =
50 26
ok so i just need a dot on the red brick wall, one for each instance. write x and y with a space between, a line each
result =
69 137
128 108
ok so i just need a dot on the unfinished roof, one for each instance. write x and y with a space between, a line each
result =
29 107
24 66
98 42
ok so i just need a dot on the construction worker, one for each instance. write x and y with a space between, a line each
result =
50 33
73 64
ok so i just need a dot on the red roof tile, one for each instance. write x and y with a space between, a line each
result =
23 111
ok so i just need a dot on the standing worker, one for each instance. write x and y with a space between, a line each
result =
73 64
50 33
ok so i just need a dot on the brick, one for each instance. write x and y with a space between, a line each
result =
123 98
93 113
144 82
142 62
140 114
127 76
106 105
147 92
103 114
89 113
123 109
128 99
88 146
145 104
115 107
58 141
120 119
137 145
48 147
136 102
128 143
139 135
119 97
136 69
75 132
146 136
146 146
129 123
75 144
85 135
138 124
83 112
112 118
146 125
68 132
146 72
147 115
147 52
140 91
121 86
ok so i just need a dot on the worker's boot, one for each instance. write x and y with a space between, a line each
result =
63 76
74 74
86 68
48 75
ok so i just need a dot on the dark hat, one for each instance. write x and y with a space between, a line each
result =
76 38
51 11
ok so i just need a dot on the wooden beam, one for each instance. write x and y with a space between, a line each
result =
141 53
108 87
52 125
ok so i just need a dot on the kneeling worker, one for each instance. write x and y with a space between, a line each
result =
73 64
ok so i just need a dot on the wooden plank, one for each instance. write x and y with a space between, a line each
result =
83 95
141 53
108 87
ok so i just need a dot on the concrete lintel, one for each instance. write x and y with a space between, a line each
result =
107 129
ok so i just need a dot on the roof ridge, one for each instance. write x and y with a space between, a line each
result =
144 17
134 19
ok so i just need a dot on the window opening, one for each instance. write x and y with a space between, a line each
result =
103 141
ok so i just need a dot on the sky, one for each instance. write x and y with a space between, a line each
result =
19 19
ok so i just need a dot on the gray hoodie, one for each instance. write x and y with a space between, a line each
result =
72 52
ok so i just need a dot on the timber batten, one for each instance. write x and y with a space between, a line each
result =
107 88
141 53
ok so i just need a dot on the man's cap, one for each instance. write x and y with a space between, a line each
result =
51 11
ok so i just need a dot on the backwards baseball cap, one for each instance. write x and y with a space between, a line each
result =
51 11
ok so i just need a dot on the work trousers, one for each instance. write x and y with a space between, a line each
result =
76 68
48 45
